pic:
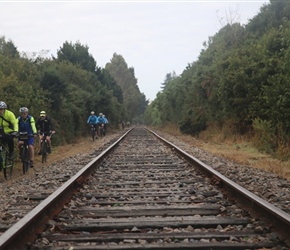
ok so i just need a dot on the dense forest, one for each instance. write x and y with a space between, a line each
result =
68 87
240 83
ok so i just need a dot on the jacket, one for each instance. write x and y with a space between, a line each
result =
101 120
8 122
92 119
27 125
44 125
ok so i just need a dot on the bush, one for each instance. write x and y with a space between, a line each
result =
264 136
193 126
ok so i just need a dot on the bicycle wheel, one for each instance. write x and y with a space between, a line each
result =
24 159
93 133
43 151
102 132
1 159
8 166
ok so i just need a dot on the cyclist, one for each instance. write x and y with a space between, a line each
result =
26 123
45 127
101 121
8 127
106 123
93 120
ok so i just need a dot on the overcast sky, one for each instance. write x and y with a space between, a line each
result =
154 37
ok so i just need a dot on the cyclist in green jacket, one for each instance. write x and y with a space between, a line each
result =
8 127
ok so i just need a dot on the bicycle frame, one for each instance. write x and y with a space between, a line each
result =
5 163
43 148
24 151
93 132
102 130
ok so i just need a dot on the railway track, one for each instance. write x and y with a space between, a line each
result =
146 194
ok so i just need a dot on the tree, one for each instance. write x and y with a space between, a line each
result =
8 49
77 54
134 101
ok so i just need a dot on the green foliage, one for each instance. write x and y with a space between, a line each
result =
105 77
8 49
68 88
152 114
193 126
77 54
241 79
18 85
134 102
264 136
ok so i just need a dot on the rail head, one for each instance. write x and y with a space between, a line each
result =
279 219
26 229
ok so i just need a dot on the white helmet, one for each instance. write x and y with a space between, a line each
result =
92 113
3 105
23 110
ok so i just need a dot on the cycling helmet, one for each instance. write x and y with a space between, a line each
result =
3 105
100 114
92 113
42 113
23 110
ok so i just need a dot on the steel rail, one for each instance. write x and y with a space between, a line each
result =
277 218
26 229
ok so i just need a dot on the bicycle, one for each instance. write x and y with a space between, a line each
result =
102 130
44 148
24 151
93 132
5 163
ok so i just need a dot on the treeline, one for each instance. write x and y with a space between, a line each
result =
241 81
68 87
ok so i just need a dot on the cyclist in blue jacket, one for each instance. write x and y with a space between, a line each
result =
26 123
101 122
93 120
101 119
106 123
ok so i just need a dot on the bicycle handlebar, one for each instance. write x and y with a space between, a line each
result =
8 135
24 136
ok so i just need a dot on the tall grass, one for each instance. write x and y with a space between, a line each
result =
243 149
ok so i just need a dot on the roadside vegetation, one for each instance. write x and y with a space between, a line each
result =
68 87
238 90
237 149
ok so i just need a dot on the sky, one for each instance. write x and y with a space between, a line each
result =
154 37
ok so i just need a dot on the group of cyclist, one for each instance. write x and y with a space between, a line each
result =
10 127
98 121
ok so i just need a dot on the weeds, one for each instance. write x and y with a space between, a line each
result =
240 149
